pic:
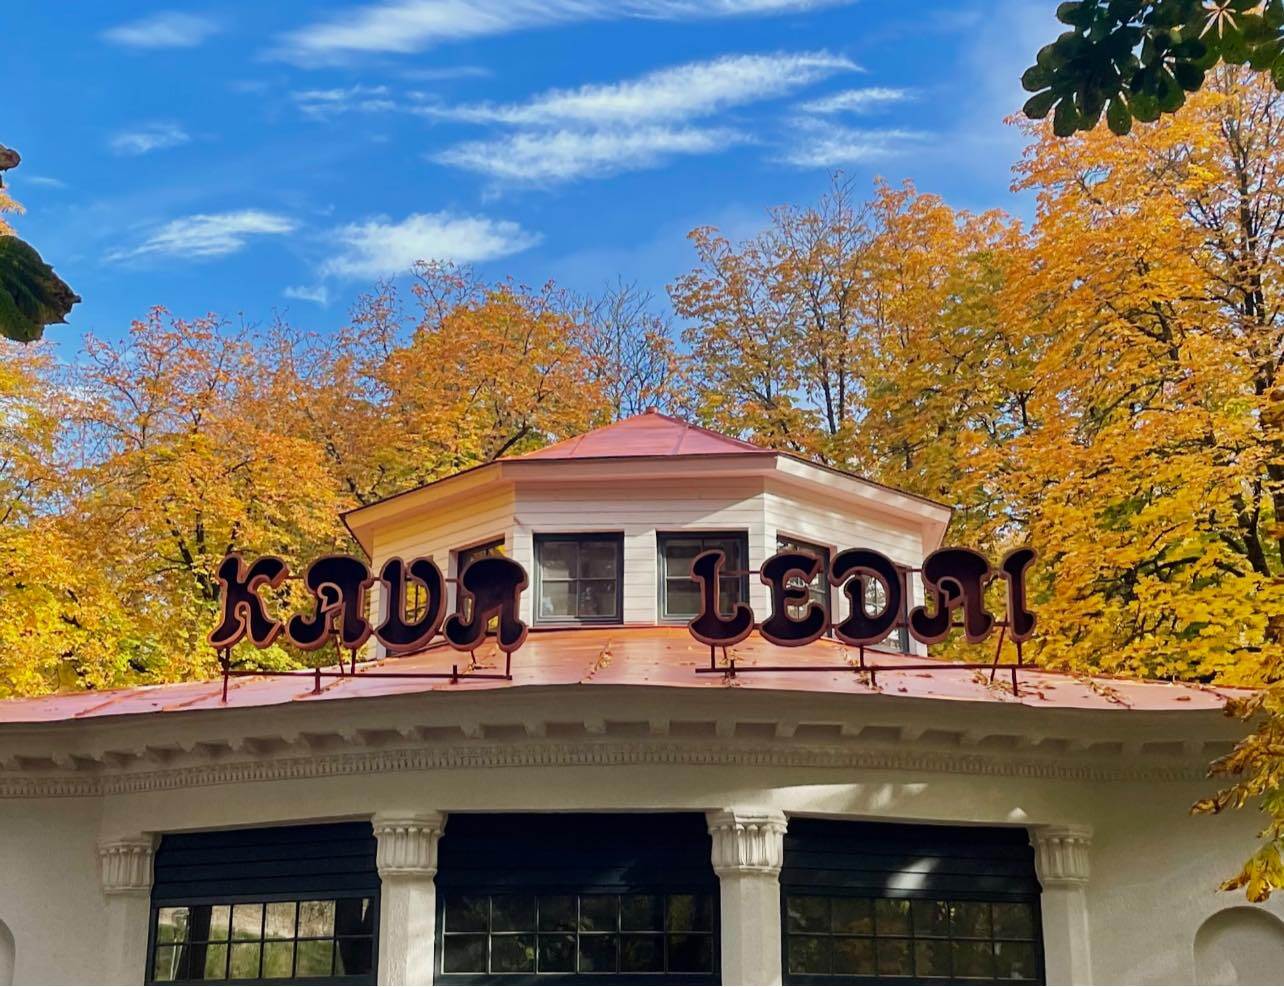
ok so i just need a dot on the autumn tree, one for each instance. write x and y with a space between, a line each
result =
1156 483
631 347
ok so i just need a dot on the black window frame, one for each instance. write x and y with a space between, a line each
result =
787 543
1011 882
541 539
310 878
563 854
663 576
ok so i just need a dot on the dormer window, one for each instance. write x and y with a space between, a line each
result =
679 594
466 556
818 588
579 578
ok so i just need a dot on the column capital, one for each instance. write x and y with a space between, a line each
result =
125 864
407 843
1061 855
747 841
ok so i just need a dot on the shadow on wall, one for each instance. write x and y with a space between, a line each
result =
1240 945
7 955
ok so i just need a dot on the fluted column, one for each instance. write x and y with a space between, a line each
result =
125 870
748 849
407 862
1061 861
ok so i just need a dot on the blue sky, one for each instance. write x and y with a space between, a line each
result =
249 158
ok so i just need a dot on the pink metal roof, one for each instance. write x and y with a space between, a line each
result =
650 434
630 656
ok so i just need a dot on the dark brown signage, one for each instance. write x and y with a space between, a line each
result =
954 579
489 601
489 591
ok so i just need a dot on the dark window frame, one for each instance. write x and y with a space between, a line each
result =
201 869
1005 887
786 542
712 534
480 550
580 891
539 540
267 899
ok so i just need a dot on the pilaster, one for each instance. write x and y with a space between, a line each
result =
748 850
406 857
1061 860
125 871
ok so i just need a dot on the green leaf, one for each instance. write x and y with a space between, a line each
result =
1118 117
32 296
1188 75
1036 77
1065 121
1037 107
1076 13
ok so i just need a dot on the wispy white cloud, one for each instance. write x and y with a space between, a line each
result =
208 235
816 145
321 104
382 248
148 138
602 129
680 92
402 26
44 181
868 100
317 294
443 72
167 29
546 157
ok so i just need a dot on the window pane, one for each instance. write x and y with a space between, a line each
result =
467 913
218 917
598 559
512 954
891 917
165 963
1015 961
643 912
854 957
247 921
894 957
556 599
171 925
807 913
215 965
932 958
280 920
316 919
245 959
461 954
690 913
974 959
559 559
970 919
512 913
682 598
598 953
557 954
597 598
642 954
354 955
730 549
931 918
1013 920
278 960
690 953
679 553
598 912
808 954
853 915
353 917
557 913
